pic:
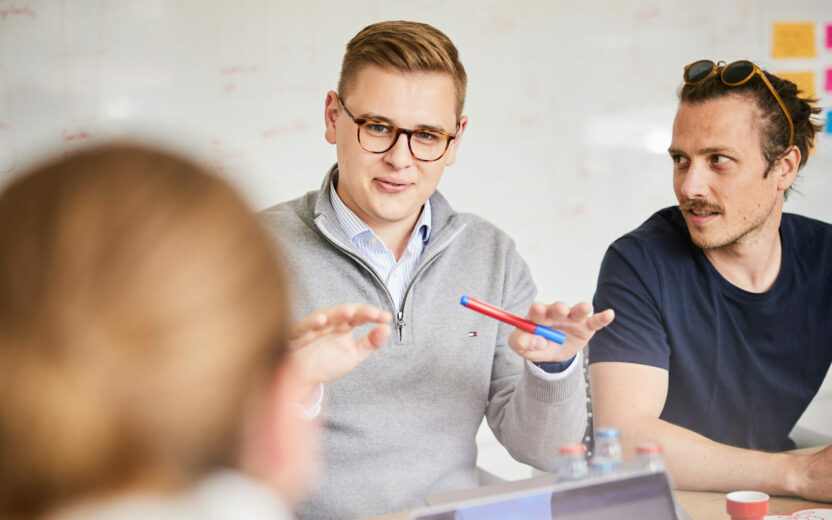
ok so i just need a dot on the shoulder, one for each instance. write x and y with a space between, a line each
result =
665 225
289 219
301 208
662 237
480 227
475 229
808 241
485 241
806 228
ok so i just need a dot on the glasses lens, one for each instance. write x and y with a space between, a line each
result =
375 136
379 137
737 72
427 145
698 71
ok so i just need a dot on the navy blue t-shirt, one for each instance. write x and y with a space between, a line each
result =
742 366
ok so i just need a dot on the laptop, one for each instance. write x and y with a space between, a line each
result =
630 495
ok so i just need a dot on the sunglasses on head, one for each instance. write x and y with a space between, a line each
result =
734 74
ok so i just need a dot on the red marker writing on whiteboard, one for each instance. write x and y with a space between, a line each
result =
511 319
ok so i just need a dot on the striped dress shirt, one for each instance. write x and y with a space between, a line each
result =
396 275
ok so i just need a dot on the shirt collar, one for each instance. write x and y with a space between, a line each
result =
354 226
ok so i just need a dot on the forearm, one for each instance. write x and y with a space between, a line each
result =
538 416
700 464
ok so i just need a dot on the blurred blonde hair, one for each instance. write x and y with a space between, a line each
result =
405 47
141 306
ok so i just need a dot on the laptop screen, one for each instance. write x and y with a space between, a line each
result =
631 498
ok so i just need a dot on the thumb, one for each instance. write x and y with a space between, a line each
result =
600 320
374 339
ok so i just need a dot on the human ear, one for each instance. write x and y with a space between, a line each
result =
450 155
331 111
785 168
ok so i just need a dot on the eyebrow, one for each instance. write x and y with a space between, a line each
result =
382 119
703 151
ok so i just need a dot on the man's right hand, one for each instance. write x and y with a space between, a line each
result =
323 345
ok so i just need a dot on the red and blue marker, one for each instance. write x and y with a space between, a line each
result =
511 319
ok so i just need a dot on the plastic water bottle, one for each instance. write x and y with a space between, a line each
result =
606 457
608 444
572 462
649 457
601 467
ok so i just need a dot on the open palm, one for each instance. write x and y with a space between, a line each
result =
324 345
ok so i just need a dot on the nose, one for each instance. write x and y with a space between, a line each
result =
693 183
399 155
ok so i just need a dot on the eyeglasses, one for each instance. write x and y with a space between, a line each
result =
378 137
734 74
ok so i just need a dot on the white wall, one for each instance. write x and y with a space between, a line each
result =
570 103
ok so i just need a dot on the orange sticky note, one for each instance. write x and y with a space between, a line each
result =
805 81
793 40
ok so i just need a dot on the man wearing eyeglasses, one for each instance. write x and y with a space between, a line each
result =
723 330
400 424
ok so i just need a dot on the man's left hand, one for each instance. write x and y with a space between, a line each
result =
577 322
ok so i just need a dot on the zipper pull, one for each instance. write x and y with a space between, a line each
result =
400 324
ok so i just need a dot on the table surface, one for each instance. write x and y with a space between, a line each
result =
700 505
705 505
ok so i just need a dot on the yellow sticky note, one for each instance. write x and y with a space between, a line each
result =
793 40
805 81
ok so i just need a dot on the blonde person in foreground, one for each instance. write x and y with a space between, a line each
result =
144 366
723 330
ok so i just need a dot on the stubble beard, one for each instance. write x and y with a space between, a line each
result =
748 235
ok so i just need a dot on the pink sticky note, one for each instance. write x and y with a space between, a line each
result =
829 80
829 36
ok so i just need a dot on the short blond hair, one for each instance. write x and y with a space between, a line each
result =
406 47
141 306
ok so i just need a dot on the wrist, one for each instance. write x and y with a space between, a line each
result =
555 367
794 476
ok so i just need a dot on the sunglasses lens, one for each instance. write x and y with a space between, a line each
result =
698 71
738 72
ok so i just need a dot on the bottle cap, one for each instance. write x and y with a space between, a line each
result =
607 433
648 448
572 449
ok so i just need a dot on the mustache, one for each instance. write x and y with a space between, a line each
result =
700 205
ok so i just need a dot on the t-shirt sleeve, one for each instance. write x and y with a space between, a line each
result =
629 283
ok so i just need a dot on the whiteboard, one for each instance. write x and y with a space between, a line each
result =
570 103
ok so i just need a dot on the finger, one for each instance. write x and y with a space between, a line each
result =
580 311
350 315
374 339
537 312
557 311
369 314
521 341
312 322
600 320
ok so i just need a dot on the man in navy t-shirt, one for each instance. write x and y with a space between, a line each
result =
723 329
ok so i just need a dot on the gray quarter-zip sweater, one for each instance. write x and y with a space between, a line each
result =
402 425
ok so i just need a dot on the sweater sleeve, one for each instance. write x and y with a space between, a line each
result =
531 416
